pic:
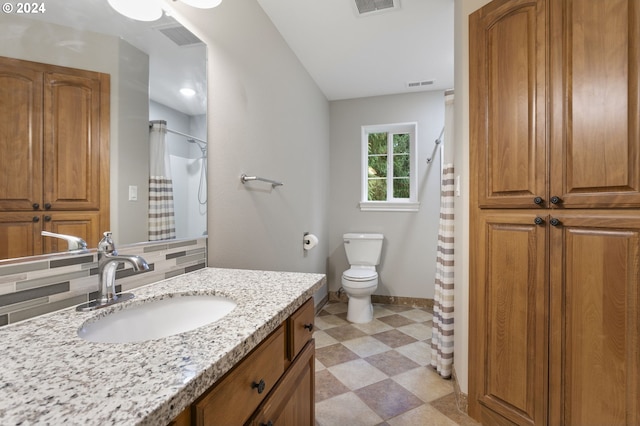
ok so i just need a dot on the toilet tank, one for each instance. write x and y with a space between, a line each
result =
363 249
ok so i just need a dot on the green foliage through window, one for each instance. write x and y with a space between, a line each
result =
382 147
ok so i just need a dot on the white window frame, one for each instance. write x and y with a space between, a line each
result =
391 204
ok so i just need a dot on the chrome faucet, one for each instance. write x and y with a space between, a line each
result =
108 261
73 243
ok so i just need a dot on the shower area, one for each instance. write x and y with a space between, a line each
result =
184 162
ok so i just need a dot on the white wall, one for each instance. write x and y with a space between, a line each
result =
268 118
130 147
461 160
408 260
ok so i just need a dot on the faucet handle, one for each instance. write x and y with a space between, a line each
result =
106 244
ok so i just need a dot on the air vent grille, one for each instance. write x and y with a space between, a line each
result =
180 35
368 6
417 84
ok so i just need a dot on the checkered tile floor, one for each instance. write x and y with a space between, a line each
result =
377 373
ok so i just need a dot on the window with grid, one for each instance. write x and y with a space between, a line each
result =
389 180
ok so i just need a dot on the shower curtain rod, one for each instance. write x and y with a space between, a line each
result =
151 123
437 143
185 135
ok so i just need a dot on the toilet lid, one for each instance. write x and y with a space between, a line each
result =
359 274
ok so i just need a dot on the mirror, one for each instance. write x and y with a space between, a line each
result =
149 62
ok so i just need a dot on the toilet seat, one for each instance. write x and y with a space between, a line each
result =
359 274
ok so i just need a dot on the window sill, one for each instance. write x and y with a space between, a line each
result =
389 206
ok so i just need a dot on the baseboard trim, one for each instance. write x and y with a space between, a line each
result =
321 304
416 302
462 399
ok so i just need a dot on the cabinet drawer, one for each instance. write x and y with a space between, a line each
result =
292 402
301 327
239 393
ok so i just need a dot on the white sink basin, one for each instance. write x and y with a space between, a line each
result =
157 319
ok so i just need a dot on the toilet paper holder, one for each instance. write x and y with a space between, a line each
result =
309 241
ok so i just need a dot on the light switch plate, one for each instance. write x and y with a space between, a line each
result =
133 193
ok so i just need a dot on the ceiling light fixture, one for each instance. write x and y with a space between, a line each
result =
140 10
202 4
187 91
151 10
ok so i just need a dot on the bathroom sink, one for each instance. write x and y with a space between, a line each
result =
156 319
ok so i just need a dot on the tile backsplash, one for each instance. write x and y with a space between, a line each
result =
32 288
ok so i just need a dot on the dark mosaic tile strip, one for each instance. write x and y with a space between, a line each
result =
45 309
70 261
94 271
158 247
124 273
196 251
50 279
176 254
194 267
182 244
24 267
189 259
24 305
174 273
34 293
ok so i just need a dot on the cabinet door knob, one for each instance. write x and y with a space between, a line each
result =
555 222
309 326
555 200
47 218
35 206
538 220
260 386
538 200
35 219
269 423
47 206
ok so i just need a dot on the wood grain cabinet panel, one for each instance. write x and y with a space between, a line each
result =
244 388
54 141
287 397
508 106
554 281
20 136
20 234
301 327
595 294
72 140
512 303
293 402
595 135
554 103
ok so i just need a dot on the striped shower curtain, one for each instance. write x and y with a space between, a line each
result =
442 332
161 214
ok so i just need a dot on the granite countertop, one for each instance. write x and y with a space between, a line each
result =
49 376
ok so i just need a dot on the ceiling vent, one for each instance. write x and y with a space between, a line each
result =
418 84
370 6
179 35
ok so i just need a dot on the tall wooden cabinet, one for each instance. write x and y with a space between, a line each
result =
54 145
555 213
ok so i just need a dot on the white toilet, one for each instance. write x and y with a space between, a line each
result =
361 279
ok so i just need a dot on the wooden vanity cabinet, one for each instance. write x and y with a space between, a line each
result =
54 144
274 383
